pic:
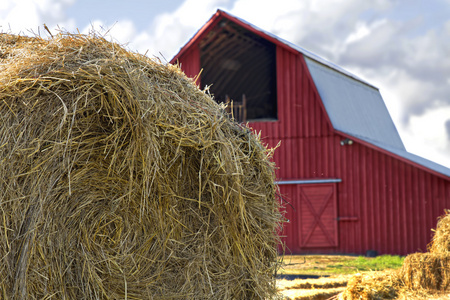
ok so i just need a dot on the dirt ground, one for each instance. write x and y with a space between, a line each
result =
313 264
312 289
309 278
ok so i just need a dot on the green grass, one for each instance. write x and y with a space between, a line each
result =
338 264
362 263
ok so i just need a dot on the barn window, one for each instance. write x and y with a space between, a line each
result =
240 67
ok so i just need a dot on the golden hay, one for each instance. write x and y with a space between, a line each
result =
372 286
422 276
120 179
441 238
426 271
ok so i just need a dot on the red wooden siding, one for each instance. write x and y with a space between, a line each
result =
383 203
190 62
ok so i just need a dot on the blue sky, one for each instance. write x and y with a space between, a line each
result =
400 46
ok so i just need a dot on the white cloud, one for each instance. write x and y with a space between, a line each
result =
427 143
16 16
435 118
166 33
170 31
279 17
361 31
121 31
27 16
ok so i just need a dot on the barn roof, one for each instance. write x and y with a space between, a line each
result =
355 107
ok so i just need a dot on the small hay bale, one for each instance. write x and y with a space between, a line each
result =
120 179
441 238
372 286
426 271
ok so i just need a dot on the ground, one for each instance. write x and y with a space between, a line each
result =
319 265
320 277
313 276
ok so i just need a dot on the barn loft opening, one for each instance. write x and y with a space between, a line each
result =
240 66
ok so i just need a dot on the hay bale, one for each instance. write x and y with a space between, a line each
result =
372 286
441 238
119 179
426 271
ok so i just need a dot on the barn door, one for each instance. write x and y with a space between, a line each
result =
317 215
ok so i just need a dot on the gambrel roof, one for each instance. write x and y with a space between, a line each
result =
354 107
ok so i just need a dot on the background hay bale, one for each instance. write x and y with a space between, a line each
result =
426 271
119 179
441 238
422 276
372 286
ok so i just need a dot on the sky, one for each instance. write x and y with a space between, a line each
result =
399 46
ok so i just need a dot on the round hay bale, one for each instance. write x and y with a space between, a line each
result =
120 179
426 271
441 238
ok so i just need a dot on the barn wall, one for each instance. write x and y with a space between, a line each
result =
384 204
397 204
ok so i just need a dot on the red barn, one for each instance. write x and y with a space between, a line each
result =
349 181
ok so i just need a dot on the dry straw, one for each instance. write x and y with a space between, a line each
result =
372 286
120 179
441 238
427 271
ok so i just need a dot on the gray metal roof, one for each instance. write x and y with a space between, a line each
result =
354 107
